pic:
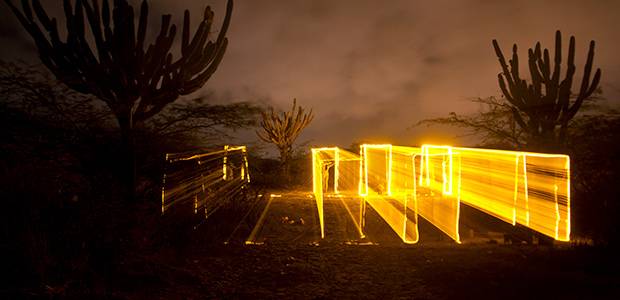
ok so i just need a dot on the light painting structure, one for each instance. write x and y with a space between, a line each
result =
400 183
204 181
335 172
386 184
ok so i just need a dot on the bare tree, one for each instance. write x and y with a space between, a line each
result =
202 122
494 124
283 129
135 83
34 93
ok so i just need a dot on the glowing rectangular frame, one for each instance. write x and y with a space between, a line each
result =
176 157
550 175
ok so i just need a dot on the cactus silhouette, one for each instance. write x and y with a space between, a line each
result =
283 129
543 105
134 79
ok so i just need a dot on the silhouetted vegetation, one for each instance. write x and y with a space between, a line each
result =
543 108
595 172
63 209
88 130
134 79
282 130
493 124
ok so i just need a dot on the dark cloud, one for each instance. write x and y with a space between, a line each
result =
371 69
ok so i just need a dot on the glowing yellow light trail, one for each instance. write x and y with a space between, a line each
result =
438 193
342 168
251 240
532 189
197 178
388 187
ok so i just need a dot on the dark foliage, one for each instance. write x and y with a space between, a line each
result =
595 175
134 79
267 172
494 124
65 226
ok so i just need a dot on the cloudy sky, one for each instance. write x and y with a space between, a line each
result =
371 69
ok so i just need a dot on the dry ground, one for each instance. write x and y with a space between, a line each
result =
291 261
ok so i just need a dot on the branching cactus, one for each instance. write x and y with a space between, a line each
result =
544 107
282 129
136 80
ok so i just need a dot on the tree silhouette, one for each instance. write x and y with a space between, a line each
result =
136 84
543 105
494 124
283 129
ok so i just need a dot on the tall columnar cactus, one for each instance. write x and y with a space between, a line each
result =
544 105
134 79
283 129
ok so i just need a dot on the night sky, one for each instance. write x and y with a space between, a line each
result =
371 69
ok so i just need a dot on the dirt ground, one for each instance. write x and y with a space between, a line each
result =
287 259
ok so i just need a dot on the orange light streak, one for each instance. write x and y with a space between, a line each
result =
531 189
204 179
